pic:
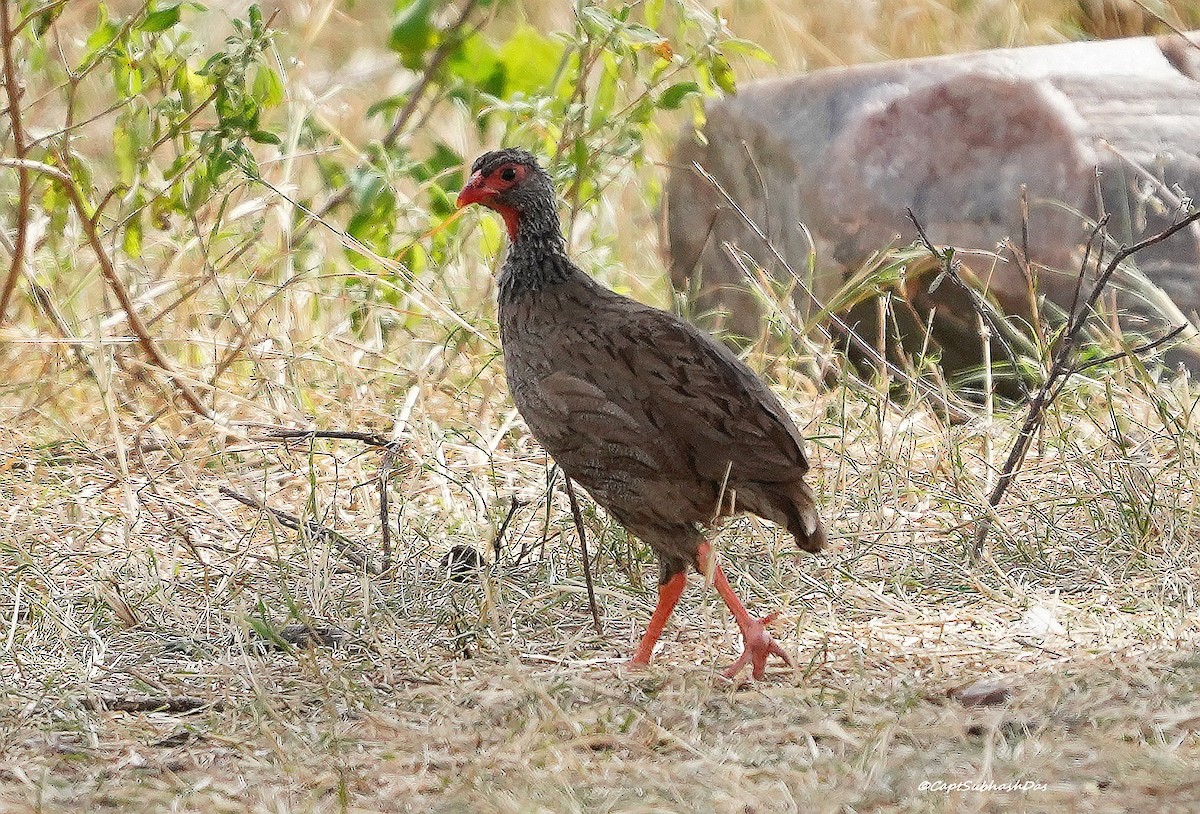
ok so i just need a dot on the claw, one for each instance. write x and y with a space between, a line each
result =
757 646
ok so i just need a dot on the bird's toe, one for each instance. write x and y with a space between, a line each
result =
758 645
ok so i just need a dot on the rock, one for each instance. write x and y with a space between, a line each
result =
986 692
1085 128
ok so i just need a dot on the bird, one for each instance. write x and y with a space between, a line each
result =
666 428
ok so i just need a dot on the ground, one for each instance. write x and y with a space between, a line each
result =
1067 687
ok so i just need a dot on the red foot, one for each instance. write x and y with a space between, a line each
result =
758 644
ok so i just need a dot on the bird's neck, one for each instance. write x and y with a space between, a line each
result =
536 259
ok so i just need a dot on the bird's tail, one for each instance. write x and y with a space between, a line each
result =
799 506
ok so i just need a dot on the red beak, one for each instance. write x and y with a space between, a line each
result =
475 191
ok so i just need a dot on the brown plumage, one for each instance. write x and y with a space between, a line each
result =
649 414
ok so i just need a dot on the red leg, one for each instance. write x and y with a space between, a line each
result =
668 595
757 642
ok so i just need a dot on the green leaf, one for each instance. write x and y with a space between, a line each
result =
265 137
530 61
605 97
652 10
42 22
385 107
747 48
641 35
441 202
413 33
366 186
443 166
132 244
491 237
128 77
599 21
722 74
478 64
102 35
161 19
235 109
218 65
161 209
673 96
219 164
125 152
191 85
268 87
243 159
268 633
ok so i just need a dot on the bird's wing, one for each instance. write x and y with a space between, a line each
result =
678 388
572 416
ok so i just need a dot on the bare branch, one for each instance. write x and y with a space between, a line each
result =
1063 366
12 87
978 304
288 434
348 547
1138 351
109 272
171 703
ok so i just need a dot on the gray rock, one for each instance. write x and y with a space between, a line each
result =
1085 127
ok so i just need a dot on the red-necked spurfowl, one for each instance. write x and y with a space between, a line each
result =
652 416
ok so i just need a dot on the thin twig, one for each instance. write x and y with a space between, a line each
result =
1029 271
1126 252
390 448
45 302
63 131
498 543
950 270
450 41
587 565
171 703
348 547
1024 203
526 547
24 181
1095 243
289 434
385 528
1063 367
953 411
1138 351
113 279
38 12
1179 32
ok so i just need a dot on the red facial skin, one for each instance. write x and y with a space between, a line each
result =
483 190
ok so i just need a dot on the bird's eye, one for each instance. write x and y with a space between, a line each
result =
508 174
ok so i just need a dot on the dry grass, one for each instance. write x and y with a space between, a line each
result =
127 575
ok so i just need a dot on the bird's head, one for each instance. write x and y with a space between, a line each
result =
512 183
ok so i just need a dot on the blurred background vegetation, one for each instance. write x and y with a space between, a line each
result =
256 181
